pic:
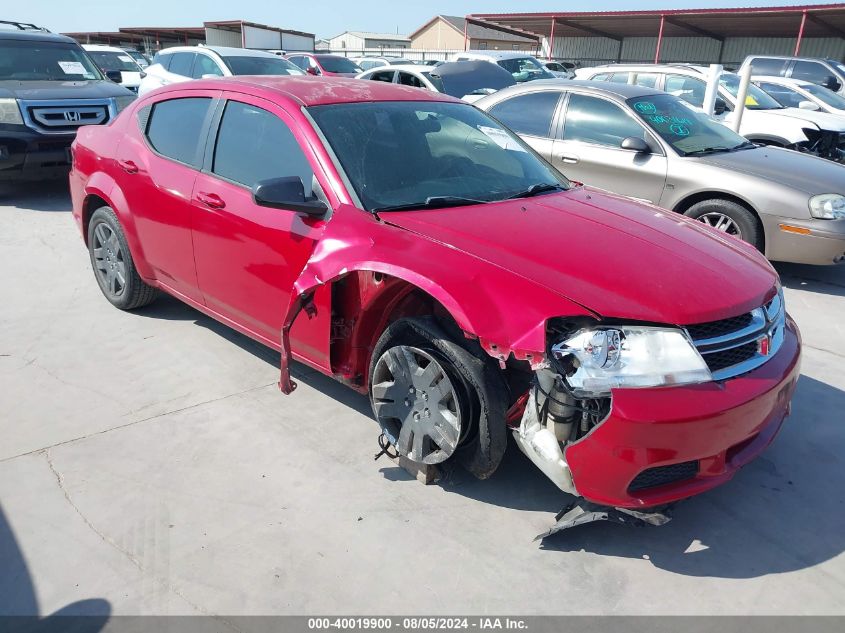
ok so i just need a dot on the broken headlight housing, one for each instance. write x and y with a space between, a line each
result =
596 360
828 206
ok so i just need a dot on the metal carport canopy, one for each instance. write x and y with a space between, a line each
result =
820 20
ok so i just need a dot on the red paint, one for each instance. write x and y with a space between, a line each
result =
659 39
321 291
800 33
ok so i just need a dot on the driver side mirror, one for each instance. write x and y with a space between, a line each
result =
312 70
831 83
113 75
720 106
636 144
809 105
286 193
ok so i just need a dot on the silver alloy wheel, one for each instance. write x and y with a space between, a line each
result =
721 222
108 260
416 404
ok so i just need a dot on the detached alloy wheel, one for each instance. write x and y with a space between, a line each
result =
437 399
416 404
112 262
729 217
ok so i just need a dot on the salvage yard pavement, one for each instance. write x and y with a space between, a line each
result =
150 465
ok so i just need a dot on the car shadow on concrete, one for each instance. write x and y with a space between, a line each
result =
19 611
781 513
49 195
828 280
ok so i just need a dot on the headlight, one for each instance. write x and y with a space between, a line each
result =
10 113
605 358
121 102
828 206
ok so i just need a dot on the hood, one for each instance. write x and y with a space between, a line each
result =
34 90
610 254
803 172
824 120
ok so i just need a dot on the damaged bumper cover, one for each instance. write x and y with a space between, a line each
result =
580 512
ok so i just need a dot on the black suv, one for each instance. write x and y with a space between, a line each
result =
48 88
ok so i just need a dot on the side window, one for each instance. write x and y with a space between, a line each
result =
367 64
175 125
163 59
784 95
298 60
647 80
181 64
529 114
407 79
768 66
689 89
811 71
254 145
384 75
600 77
204 65
619 78
597 121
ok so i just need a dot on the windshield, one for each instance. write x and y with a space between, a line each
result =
398 153
138 57
334 64
755 98
525 69
114 61
685 128
833 99
246 65
45 61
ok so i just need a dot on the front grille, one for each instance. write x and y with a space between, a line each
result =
65 116
719 328
662 475
723 359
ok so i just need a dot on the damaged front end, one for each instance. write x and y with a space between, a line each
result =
827 144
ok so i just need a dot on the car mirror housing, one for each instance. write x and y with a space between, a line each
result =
113 75
809 105
286 193
720 106
831 83
636 144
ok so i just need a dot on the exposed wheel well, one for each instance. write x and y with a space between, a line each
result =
91 204
688 202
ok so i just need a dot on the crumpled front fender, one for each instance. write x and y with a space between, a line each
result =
507 313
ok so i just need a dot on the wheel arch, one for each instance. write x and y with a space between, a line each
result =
686 203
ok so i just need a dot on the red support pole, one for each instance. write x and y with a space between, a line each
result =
800 34
659 40
551 41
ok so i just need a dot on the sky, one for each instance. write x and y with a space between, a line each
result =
325 18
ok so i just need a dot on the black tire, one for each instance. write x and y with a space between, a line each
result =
483 397
746 222
133 293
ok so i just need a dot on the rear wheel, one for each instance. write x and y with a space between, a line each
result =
112 262
729 217
437 400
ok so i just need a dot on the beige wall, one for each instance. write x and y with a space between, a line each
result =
438 36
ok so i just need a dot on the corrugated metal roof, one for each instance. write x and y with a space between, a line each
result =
479 32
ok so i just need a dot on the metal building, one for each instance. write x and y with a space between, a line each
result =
724 36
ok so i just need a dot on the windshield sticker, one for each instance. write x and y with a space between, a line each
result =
73 68
124 58
751 101
646 107
679 130
500 138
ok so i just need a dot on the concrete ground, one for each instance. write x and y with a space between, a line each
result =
149 464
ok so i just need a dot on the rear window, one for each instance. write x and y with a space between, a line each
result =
245 65
175 125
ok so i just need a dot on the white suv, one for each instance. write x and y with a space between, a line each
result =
765 121
182 63
112 59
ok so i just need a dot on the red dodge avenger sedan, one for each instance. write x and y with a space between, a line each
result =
411 246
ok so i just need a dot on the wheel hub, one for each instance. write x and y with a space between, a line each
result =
416 404
721 222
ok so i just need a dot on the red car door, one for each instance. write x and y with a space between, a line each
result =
159 160
248 256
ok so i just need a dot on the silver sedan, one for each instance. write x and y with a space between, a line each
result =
652 146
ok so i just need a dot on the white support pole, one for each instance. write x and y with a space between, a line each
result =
744 80
712 88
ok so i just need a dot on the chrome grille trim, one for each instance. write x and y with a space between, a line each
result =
43 115
767 322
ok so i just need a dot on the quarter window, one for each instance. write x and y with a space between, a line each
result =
597 121
175 125
254 144
529 114
181 64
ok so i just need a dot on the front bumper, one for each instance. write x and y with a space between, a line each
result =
28 155
719 427
804 241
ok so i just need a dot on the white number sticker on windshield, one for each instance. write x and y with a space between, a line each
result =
124 58
501 138
73 68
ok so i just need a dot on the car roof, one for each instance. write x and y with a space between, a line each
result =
225 51
308 91
103 48
623 91
37 36
809 59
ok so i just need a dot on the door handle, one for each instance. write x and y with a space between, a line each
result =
211 200
569 158
128 166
